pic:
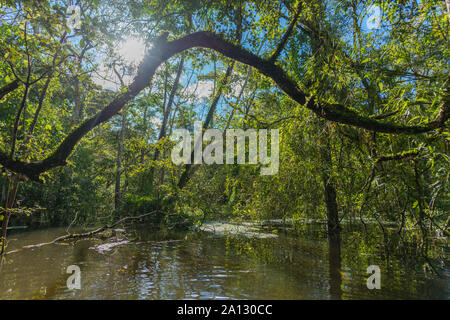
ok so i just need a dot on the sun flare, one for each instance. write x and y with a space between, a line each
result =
132 50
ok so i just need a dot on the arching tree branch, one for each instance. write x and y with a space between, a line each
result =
163 50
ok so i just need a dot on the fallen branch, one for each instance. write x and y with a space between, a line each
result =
89 234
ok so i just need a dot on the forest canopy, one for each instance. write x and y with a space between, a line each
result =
92 91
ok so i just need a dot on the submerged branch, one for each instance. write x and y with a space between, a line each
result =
75 236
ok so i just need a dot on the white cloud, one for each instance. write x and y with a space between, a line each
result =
105 77
236 87
156 121
131 52
201 90
373 21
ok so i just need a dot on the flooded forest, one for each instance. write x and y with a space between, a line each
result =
198 149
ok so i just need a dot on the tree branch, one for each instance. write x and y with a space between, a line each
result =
8 88
286 36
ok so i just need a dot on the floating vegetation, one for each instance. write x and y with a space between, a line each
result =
245 229
102 248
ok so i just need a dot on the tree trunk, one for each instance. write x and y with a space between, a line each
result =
328 186
77 108
334 262
13 183
117 190
331 206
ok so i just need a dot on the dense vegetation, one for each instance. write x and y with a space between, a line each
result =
362 110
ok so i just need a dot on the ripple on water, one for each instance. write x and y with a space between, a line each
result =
281 267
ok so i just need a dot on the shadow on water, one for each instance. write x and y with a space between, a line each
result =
199 265
334 262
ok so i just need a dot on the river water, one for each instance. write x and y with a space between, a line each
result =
200 265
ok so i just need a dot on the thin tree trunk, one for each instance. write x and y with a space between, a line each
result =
328 187
117 190
331 205
167 111
11 193
77 108
145 125
189 168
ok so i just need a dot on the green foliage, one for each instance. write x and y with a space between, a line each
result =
135 205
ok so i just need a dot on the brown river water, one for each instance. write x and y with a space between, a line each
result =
199 265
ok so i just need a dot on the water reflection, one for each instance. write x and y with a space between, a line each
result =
162 265
334 262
